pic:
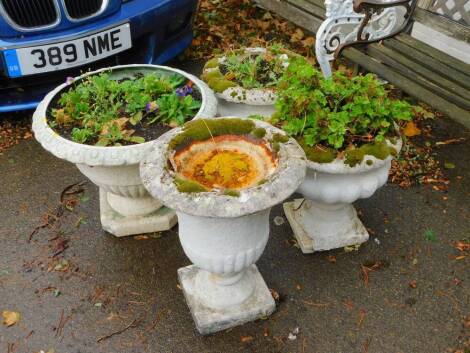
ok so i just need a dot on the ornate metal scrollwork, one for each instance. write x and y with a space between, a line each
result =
350 22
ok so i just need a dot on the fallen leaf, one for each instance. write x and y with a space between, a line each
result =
331 259
411 129
462 246
450 142
366 268
317 305
308 42
62 266
156 235
297 35
267 16
362 315
448 165
352 248
10 318
312 60
293 335
275 294
246 339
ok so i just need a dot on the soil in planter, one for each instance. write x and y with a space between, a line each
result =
149 133
143 130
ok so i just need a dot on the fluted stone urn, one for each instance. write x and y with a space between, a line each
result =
126 208
241 102
222 182
326 219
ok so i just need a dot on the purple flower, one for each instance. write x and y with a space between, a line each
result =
151 107
69 80
184 91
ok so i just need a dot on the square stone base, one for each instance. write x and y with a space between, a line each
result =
121 226
304 241
260 304
310 242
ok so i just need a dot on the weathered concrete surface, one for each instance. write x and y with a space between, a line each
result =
137 279
259 304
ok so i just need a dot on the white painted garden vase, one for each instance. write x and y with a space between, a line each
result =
125 206
326 218
224 236
241 102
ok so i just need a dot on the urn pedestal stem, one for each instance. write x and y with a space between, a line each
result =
223 288
126 208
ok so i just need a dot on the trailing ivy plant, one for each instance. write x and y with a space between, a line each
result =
247 69
102 111
346 115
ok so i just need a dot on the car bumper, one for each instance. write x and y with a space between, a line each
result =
155 40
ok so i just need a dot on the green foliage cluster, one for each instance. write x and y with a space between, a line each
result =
336 114
248 70
102 111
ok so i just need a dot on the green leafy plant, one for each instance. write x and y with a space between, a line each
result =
248 70
102 111
345 114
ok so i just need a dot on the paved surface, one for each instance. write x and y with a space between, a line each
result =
100 284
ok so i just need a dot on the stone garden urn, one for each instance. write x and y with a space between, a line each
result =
222 185
239 101
326 218
125 206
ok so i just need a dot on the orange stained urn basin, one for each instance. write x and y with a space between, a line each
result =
226 162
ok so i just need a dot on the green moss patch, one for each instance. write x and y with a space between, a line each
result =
280 138
318 154
203 129
217 81
212 63
259 132
232 193
276 141
189 186
379 150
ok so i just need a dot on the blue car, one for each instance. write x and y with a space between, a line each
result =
44 41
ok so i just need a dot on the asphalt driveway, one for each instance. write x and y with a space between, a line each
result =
79 289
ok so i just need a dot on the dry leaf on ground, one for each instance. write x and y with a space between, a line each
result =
10 318
411 129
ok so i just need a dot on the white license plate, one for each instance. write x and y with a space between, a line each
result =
64 55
